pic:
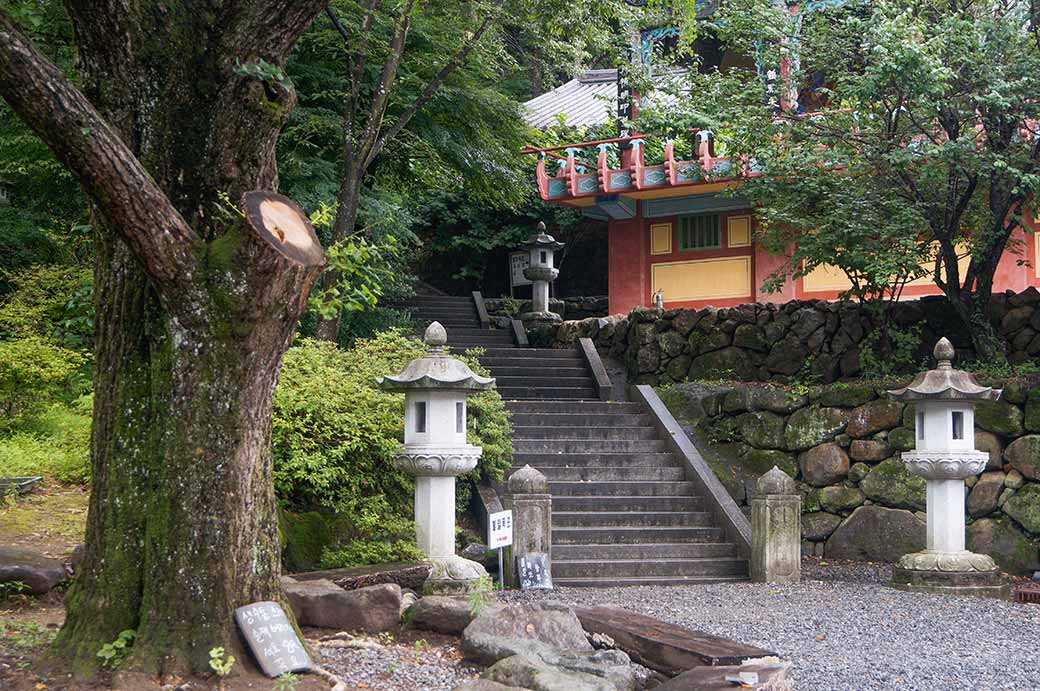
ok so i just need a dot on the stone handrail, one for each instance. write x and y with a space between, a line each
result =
519 333
485 320
599 372
732 520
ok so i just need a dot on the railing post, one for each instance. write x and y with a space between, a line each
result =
531 504
776 529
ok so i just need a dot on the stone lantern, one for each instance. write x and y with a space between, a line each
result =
945 455
541 273
435 388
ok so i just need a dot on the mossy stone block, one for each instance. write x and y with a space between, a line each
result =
890 484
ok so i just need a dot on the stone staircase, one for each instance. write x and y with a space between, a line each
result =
624 512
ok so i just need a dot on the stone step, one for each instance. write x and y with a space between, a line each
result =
579 419
581 460
625 535
444 311
590 445
571 432
563 407
515 393
659 550
471 343
631 519
537 354
611 473
439 300
679 503
621 488
611 582
641 568
531 365
535 369
544 381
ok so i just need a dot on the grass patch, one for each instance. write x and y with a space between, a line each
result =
55 444
56 519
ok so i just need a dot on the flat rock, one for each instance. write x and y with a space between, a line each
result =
324 604
662 646
486 685
449 615
874 533
524 672
405 574
813 425
39 573
818 525
775 676
873 417
523 629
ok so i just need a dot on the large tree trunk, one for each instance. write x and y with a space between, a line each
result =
195 308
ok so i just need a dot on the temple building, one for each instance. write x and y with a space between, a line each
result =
669 230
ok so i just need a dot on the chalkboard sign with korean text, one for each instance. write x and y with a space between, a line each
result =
272 639
533 571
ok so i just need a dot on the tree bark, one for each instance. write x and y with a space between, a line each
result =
195 308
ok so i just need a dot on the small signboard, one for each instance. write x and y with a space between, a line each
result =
500 529
533 571
518 261
272 639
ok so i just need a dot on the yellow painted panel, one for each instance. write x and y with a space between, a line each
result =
739 228
661 238
702 279
963 259
825 277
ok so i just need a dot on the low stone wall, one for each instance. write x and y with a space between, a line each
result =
568 308
774 342
842 444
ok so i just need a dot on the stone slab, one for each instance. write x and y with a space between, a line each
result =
39 573
405 574
773 676
662 646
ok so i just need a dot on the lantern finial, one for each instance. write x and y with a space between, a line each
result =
944 353
436 335
541 226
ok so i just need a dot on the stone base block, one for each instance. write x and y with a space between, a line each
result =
548 317
454 576
976 583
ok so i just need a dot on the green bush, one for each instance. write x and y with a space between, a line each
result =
53 302
55 443
335 433
34 370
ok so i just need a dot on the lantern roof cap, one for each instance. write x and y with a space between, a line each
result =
436 370
944 382
540 238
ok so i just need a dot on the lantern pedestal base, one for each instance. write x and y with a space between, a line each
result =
453 576
950 573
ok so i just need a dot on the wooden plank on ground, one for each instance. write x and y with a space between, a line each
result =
668 648
405 574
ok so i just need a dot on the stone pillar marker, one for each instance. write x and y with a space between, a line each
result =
945 456
776 529
435 451
541 273
531 504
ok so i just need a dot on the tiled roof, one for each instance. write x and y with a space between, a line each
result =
591 99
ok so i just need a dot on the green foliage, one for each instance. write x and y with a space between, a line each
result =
220 662
14 591
880 359
112 654
27 635
286 682
480 595
50 301
335 433
264 71
32 369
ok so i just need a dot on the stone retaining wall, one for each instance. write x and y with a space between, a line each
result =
569 308
842 444
775 342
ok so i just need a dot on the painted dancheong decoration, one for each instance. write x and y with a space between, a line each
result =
435 450
944 400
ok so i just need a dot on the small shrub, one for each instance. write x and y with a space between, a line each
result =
53 302
34 370
220 662
54 443
112 654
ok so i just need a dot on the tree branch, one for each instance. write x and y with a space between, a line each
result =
456 61
125 194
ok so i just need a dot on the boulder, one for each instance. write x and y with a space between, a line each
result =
824 464
1031 420
475 551
902 439
874 533
671 343
773 399
503 631
890 483
840 499
728 362
813 425
1014 479
520 671
786 356
40 574
990 443
1001 539
869 450
762 429
323 604
485 685
858 471
819 525
757 462
684 322
999 417
807 320
1024 455
873 417
750 336
982 500
845 395
1024 507
440 613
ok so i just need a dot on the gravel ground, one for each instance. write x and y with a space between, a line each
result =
413 661
845 631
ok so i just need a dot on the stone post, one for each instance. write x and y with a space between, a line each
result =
531 504
776 529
